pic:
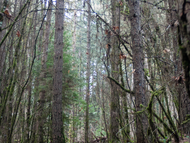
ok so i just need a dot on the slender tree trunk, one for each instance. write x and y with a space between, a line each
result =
138 65
103 109
114 123
57 121
42 93
74 32
74 49
36 84
28 112
88 76
3 79
126 130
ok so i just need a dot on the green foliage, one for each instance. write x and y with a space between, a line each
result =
146 72
71 80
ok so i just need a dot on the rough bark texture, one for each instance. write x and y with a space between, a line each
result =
180 88
88 76
57 121
184 36
3 76
3 23
114 122
138 65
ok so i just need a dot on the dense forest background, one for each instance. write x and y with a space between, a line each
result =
114 71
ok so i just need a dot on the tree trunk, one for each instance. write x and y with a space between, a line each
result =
57 121
42 93
184 36
114 122
88 76
138 65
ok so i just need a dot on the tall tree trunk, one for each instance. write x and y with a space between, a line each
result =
3 76
114 123
74 49
42 93
57 121
183 99
36 83
88 76
138 65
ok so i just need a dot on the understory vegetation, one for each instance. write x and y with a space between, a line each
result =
114 71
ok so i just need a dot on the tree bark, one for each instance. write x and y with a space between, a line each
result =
138 65
57 121
115 44
184 36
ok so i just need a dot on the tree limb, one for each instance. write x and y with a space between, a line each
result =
126 90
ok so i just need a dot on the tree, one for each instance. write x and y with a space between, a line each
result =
184 44
138 67
115 45
42 93
102 62
57 118
88 75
